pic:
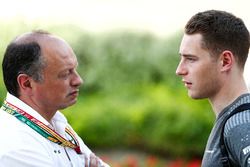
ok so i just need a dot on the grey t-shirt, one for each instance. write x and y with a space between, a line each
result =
236 137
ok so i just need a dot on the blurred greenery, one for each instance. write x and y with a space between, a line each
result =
131 97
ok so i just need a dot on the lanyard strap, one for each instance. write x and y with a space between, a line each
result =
41 128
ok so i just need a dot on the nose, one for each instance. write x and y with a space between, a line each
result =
77 80
181 70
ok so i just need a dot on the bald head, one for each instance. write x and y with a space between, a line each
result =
39 37
44 39
34 36
24 56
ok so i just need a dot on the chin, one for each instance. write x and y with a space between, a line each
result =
72 103
68 104
194 96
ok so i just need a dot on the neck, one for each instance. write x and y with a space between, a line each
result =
228 93
45 112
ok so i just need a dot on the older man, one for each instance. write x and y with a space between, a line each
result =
39 71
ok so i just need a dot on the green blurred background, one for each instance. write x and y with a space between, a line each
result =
131 98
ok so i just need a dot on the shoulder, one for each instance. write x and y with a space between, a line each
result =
241 106
240 120
237 137
19 146
17 135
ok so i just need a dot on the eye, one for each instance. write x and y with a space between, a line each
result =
191 58
65 74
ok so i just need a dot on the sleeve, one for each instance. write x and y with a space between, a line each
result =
237 139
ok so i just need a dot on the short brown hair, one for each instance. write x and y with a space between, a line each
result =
221 31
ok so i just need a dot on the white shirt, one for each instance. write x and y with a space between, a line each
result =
21 146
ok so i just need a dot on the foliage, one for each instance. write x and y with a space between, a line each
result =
131 96
122 59
149 117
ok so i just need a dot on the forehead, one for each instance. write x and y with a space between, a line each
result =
191 44
56 51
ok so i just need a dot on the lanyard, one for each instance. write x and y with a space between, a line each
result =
42 129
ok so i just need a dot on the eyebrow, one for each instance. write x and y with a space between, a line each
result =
187 55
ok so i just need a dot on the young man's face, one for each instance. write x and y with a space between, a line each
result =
198 69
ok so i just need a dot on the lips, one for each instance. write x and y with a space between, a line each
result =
74 93
187 84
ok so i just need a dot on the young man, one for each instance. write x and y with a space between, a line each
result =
213 53
39 72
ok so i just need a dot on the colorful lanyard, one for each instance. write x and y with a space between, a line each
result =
41 128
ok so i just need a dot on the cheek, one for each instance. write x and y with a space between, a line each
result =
61 87
57 84
210 79
207 70
51 91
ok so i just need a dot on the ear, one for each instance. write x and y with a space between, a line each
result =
24 82
227 60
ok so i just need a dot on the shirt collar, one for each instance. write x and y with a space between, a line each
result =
58 117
